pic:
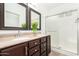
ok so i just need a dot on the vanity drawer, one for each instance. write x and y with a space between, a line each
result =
43 54
43 47
36 54
43 39
34 50
34 43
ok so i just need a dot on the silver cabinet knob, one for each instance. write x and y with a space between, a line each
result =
35 50
35 43
26 50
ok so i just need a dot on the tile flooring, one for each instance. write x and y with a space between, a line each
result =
54 53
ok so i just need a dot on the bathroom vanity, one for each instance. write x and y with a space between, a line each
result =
33 46
19 16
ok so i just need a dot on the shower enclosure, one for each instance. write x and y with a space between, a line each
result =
63 30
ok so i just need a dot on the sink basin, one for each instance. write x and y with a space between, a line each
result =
21 38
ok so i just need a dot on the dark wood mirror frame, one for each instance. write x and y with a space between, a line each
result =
30 9
2 27
28 18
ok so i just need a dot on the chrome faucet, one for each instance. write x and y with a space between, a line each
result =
18 34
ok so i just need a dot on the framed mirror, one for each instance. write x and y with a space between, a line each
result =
34 16
15 16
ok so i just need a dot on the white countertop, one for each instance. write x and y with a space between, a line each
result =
22 39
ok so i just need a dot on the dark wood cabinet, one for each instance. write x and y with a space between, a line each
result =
44 54
18 50
48 44
34 43
36 47
34 50
43 47
36 54
43 39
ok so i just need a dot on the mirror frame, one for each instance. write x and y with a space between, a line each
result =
30 9
28 18
2 12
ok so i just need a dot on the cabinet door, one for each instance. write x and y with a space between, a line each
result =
34 43
36 54
34 50
43 54
18 50
48 45
43 47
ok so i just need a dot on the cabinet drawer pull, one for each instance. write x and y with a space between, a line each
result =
35 50
26 50
35 43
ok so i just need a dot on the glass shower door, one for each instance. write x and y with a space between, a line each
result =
63 31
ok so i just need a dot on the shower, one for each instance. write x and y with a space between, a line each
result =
63 30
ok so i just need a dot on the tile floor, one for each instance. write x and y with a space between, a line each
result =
54 53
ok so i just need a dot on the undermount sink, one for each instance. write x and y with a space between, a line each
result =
29 36
20 38
23 37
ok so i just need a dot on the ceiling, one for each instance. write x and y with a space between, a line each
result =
49 6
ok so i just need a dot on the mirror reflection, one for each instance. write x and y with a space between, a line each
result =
35 17
15 15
